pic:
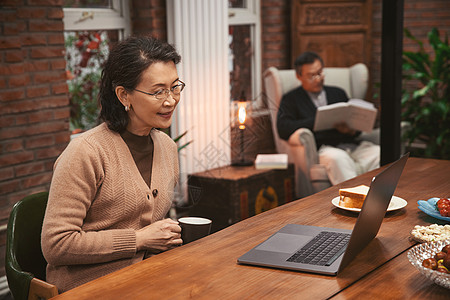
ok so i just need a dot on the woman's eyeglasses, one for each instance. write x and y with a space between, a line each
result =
163 94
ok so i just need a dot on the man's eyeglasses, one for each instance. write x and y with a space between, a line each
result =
163 94
319 75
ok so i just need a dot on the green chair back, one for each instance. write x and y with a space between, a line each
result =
24 259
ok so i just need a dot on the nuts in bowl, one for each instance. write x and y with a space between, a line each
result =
430 233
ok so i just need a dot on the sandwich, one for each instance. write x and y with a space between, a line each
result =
353 197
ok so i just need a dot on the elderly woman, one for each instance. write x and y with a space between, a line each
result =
112 186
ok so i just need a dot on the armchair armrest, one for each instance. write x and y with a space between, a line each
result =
303 145
303 152
300 137
303 137
373 136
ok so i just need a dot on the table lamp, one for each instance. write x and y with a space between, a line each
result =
240 112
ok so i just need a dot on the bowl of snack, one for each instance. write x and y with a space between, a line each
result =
432 260
430 233
436 207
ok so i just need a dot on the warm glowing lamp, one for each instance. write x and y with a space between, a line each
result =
242 113
241 117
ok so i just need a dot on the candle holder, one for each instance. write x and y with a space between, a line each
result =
240 112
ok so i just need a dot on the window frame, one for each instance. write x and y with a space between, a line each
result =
115 18
251 16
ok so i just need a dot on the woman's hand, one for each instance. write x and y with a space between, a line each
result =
159 236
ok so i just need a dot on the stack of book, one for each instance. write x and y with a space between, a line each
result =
271 161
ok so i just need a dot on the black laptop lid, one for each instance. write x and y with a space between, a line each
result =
374 208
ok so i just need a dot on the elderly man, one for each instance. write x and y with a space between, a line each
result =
339 151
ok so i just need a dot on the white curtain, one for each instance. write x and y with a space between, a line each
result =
199 31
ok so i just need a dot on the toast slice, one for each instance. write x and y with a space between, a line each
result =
353 197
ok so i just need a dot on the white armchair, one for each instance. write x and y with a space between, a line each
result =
301 147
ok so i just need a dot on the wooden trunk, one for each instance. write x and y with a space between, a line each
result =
229 194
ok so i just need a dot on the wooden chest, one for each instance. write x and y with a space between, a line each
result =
230 194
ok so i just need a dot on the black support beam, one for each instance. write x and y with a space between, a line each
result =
391 80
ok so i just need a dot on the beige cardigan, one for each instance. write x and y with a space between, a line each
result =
98 199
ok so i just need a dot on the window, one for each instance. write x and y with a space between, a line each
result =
244 48
97 15
91 27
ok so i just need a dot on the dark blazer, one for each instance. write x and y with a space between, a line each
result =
297 110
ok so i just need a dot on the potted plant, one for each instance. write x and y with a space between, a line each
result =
427 107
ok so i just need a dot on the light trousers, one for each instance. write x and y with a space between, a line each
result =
347 160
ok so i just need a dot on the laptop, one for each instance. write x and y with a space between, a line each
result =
293 246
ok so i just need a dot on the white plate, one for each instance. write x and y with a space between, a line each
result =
396 203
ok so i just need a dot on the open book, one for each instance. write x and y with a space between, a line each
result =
358 114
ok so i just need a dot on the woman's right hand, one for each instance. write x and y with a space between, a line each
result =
159 236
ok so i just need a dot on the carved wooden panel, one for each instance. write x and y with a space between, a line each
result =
338 30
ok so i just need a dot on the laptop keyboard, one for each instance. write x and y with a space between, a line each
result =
322 250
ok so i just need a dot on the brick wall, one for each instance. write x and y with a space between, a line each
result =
34 111
33 99
149 17
276 34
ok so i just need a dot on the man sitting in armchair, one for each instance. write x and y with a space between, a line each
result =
339 151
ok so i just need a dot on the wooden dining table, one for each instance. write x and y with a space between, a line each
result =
208 268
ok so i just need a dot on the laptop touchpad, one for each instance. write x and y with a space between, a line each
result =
284 242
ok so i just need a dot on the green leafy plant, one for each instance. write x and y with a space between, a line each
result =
83 101
427 106
178 138
86 52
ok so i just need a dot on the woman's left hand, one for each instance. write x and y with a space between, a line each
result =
159 236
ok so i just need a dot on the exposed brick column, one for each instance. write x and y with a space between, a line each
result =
148 17
34 111
276 34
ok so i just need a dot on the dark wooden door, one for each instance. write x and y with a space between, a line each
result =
338 30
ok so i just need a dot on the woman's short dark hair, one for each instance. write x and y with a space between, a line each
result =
306 58
124 67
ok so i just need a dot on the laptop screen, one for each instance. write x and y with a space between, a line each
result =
374 208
